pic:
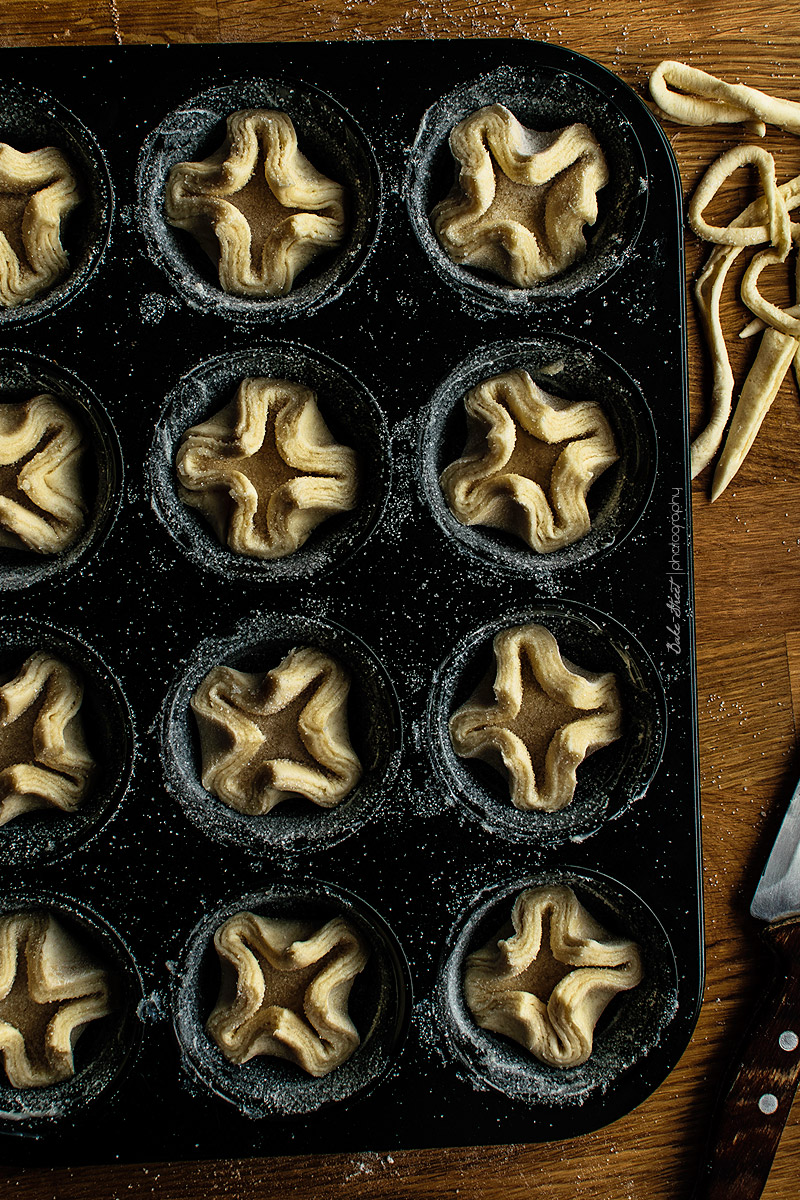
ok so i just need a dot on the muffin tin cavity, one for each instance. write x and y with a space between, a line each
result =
609 780
330 139
33 120
50 834
107 1047
572 370
354 419
628 1030
543 99
256 645
23 375
379 1006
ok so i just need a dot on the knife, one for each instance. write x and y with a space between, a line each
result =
755 1101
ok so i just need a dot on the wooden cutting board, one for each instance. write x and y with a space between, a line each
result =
747 564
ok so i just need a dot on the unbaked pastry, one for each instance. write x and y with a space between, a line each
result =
37 190
257 206
266 737
529 462
42 501
44 762
521 198
51 987
546 982
285 991
546 717
265 470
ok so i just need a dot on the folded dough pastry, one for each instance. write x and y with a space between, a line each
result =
285 991
546 716
42 501
546 981
266 737
257 206
51 987
521 198
44 761
529 462
37 190
265 470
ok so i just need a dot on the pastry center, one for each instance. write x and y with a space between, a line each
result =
539 718
520 202
281 734
12 209
16 738
541 976
533 459
267 469
9 482
261 209
287 989
20 1009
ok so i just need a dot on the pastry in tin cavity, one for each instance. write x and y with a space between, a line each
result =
265 470
285 990
269 736
539 720
44 762
42 498
37 191
529 462
521 198
257 206
51 988
546 979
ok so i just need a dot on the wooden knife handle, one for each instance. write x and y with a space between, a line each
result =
756 1098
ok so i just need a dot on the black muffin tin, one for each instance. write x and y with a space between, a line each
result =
427 854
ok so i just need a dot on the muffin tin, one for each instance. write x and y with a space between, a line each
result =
426 855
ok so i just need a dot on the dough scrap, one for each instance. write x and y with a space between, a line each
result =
291 209
44 762
529 462
285 991
550 998
702 99
42 500
708 292
265 470
547 717
521 198
266 737
37 191
51 988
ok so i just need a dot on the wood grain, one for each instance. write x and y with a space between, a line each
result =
748 614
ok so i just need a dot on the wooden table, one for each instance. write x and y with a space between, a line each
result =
747 558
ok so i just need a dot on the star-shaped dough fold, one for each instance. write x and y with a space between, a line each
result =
546 983
257 206
42 502
50 989
37 190
285 991
266 737
529 462
44 761
546 717
265 470
521 198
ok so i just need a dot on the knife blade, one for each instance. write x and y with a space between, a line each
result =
755 1100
